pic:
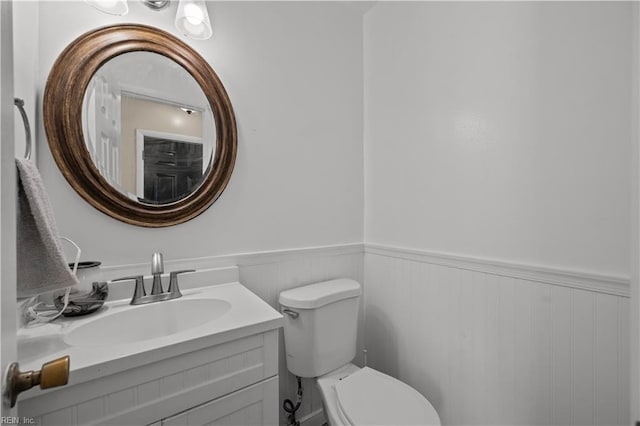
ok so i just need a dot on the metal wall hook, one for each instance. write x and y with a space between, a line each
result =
19 103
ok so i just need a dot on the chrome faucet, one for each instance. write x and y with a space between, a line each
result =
140 296
157 269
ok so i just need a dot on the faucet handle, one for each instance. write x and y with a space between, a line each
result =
139 289
173 280
157 265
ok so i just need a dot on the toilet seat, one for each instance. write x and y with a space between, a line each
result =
369 397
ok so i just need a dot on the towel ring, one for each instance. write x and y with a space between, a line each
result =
19 103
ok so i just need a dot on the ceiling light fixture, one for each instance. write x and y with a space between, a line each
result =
192 18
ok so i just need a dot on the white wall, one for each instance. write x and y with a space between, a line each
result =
497 147
500 130
298 103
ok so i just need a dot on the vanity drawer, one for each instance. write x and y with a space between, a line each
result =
160 389
253 406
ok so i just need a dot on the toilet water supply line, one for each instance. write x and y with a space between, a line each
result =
40 313
288 406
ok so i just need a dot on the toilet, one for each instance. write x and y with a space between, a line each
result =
321 323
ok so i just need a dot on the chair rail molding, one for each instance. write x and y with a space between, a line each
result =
583 280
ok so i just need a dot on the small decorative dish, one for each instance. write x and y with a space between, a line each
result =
84 303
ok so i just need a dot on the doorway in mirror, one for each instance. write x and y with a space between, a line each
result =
169 167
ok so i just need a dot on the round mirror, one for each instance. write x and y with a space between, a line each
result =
148 127
140 125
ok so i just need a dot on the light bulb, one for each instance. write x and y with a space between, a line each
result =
193 14
192 19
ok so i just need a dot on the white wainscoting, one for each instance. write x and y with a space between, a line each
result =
494 343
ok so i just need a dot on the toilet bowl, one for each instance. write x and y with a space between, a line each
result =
320 329
354 396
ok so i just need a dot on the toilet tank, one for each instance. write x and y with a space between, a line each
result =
320 326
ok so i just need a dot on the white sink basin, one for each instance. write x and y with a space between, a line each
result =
147 322
30 348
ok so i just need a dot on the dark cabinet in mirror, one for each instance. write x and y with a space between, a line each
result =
140 125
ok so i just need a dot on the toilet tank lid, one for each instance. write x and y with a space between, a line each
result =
315 295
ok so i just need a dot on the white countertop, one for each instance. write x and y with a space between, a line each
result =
247 316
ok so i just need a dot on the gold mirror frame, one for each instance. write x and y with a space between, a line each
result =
62 104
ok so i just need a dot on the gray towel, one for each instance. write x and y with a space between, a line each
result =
42 265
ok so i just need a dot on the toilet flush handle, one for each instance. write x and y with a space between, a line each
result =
292 314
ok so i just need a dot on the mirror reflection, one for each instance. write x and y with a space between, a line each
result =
148 127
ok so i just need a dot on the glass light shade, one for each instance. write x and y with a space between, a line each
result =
112 7
192 19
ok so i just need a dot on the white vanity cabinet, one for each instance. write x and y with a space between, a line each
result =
231 383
